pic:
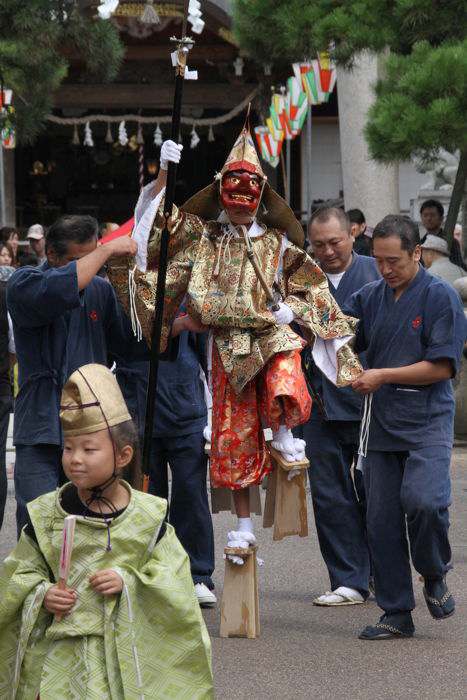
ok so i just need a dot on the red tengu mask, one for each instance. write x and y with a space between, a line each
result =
240 192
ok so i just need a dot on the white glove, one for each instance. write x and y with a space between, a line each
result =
284 314
170 152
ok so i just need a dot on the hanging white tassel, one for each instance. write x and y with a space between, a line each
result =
135 322
149 15
108 136
122 135
194 138
158 136
139 136
211 136
75 140
88 140
106 8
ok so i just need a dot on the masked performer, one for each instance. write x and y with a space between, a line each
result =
255 368
130 623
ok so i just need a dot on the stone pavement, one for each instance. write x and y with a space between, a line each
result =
309 652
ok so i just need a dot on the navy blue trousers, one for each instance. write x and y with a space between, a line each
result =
408 493
339 515
38 470
189 506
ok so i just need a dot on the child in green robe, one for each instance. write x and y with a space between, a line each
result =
128 625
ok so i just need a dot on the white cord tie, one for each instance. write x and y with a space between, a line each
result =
225 254
135 323
365 425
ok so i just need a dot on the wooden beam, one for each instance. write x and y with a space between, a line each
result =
200 53
134 97
140 52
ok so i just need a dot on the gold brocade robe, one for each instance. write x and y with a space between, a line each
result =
222 291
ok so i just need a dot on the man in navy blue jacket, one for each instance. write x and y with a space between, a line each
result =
178 441
332 432
412 330
63 317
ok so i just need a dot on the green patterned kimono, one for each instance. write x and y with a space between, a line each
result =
149 642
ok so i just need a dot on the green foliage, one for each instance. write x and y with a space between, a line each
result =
33 33
293 29
420 103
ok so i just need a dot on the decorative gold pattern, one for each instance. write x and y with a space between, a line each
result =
441 602
390 628
136 9
234 300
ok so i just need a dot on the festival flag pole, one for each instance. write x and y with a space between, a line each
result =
284 177
309 197
179 60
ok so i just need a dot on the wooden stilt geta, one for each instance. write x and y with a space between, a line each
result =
240 601
222 499
285 505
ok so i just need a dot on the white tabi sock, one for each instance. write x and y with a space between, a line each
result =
245 525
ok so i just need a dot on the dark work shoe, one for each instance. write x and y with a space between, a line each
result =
439 600
390 626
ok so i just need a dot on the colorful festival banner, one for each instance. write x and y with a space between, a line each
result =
312 83
270 148
296 105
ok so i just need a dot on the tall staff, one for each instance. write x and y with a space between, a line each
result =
183 46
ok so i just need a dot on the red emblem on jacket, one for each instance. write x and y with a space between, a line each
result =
93 315
417 322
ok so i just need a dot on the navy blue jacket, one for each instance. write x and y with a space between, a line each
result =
427 322
344 403
180 403
57 329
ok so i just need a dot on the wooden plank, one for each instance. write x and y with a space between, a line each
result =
154 96
240 597
222 500
270 502
290 514
255 500
288 466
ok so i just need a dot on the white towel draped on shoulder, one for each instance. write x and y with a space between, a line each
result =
325 355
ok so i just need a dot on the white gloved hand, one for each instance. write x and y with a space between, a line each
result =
284 314
170 152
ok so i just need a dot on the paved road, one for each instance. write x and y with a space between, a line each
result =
309 652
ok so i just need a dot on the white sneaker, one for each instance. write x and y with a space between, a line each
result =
206 598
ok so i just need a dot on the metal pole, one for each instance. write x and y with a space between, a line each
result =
287 152
163 255
309 196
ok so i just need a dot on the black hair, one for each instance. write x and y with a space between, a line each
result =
401 227
356 216
433 204
324 214
70 229
126 434
6 232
